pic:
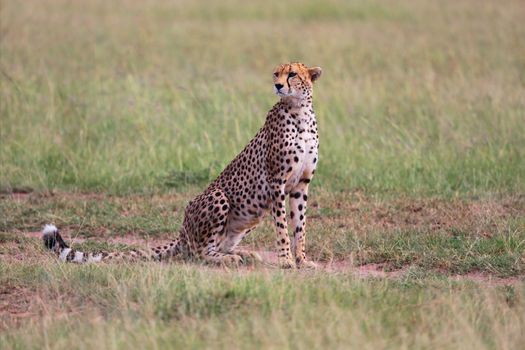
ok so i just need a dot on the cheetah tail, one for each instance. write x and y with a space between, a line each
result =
168 250
54 241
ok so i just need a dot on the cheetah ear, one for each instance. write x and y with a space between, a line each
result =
315 73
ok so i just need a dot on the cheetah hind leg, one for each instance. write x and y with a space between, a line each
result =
235 258
214 252
248 257
223 259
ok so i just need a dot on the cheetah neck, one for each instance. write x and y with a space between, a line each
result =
297 103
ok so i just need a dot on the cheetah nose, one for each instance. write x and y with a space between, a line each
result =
279 86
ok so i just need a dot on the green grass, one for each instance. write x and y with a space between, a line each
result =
95 215
180 306
501 254
416 97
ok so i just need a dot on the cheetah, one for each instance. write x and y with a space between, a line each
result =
279 162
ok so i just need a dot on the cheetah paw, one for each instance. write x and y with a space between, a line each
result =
249 257
286 262
306 264
231 260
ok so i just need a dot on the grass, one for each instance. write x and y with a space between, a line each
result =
416 97
426 242
177 306
113 115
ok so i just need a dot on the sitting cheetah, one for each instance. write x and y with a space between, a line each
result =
279 161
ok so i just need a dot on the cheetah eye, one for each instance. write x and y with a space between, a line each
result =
292 74
276 74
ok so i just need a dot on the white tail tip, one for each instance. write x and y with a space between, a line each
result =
49 229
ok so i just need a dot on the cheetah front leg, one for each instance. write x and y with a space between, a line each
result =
298 200
279 218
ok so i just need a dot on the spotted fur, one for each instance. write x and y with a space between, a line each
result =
279 162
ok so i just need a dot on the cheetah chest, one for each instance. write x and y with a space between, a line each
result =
306 148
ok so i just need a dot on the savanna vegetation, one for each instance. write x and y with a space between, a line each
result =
113 115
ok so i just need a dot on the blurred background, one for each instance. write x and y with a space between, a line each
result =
417 97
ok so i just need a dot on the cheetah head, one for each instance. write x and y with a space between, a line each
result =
295 80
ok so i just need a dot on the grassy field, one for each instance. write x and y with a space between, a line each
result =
417 96
169 306
114 114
